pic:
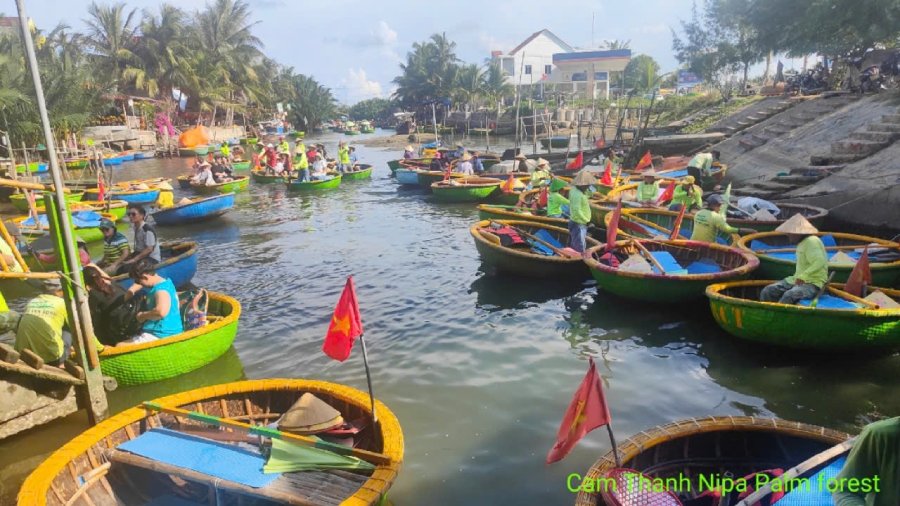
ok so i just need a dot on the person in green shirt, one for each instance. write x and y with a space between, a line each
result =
875 455
343 157
42 327
687 195
811 271
708 223
225 151
302 163
541 174
283 146
648 189
557 205
579 210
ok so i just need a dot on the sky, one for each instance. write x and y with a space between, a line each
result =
354 47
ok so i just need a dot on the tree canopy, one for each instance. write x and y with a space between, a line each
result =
373 108
641 73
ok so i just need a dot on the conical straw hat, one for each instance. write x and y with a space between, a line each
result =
584 178
309 415
542 162
797 225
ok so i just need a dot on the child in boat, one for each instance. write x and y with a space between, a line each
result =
160 315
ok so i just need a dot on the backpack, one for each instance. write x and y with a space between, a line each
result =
194 307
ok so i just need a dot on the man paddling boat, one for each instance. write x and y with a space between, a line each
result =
580 210
812 265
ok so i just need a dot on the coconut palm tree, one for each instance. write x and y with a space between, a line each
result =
468 84
111 38
161 50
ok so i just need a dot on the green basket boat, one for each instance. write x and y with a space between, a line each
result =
195 151
240 166
528 261
239 183
469 189
249 141
884 256
326 184
364 171
261 177
676 286
77 164
501 212
393 165
88 234
737 309
136 364
19 201
116 207
652 223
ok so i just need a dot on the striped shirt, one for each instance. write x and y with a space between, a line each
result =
114 248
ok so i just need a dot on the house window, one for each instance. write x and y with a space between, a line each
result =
527 70
548 69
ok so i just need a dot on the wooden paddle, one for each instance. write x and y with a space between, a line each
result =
799 470
260 430
519 231
648 255
851 297
827 248
815 301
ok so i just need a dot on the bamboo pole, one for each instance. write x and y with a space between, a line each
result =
648 255
12 243
827 248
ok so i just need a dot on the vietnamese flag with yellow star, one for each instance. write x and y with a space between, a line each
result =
587 411
346 325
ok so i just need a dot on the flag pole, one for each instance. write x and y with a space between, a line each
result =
362 341
612 437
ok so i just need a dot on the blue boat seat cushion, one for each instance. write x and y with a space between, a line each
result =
668 262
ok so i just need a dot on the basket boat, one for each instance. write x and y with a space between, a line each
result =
195 151
884 256
116 207
184 182
840 322
33 168
427 178
534 259
260 176
470 189
690 266
77 163
666 218
179 263
238 184
707 181
81 469
393 165
199 209
135 364
711 446
144 155
407 177
363 171
643 223
323 184
88 234
499 212
557 142
240 166
147 196
19 201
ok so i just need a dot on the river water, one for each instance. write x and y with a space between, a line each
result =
479 369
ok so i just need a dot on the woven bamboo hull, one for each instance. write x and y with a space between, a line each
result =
364 172
556 142
179 264
409 177
883 274
524 263
195 151
241 166
257 402
19 201
302 186
137 364
708 446
498 212
263 178
113 160
144 155
33 168
429 177
199 210
77 164
249 141
671 289
87 234
116 208
131 196
737 309
469 190
650 223
239 184
184 182
506 199
393 165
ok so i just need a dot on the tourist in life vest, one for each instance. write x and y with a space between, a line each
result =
811 271
648 189
580 210
159 315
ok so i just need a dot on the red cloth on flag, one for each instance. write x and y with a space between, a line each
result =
345 326
509 185
101 188
586 412
860 274
577 163
606 179
677 228
543 197
613 227
667 194
644 162
600 144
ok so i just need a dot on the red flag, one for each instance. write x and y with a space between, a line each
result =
606 179
667 194
613 228
577 163
677 228
345 326
587 411
861 274
543 197
510 184
101 188
644 162
601 143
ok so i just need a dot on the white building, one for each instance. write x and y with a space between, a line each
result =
545 60
532 60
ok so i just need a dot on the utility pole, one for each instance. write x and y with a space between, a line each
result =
73 284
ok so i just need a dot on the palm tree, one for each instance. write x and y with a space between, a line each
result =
111 37
617 44
495 86
162 53
468 84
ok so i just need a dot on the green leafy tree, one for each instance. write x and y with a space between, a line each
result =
111 36
641 73
373 108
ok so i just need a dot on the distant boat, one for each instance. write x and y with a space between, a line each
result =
559 142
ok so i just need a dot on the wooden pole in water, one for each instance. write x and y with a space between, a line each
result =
82 328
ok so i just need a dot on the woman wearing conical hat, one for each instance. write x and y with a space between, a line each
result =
580 210
648 189
812 265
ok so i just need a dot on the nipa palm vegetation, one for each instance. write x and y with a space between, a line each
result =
212 57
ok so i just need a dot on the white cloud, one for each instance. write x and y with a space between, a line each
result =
384 35
359 87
